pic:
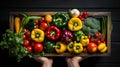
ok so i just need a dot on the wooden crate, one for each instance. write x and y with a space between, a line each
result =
108 41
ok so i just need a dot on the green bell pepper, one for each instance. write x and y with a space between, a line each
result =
77 35
49 46
61 19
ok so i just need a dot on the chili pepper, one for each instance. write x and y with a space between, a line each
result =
74 24
52 33
78 48
61 19
70 47
84 40
60 47
37 35
26 21
49 46
77 35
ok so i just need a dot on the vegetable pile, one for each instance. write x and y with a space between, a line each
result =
72 32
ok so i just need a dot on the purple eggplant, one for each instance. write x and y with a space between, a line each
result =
66 36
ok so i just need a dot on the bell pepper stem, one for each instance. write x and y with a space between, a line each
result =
71 46
57 46
52 33
77 47
37 35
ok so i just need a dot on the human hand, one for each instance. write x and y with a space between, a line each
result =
74 61
46 62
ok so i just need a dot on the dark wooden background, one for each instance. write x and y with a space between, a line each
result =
113 6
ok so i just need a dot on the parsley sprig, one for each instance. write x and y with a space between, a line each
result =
13 42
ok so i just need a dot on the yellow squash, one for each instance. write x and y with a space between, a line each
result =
17 24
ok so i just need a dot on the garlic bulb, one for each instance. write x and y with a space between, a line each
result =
74 12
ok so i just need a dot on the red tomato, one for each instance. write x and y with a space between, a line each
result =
97 35
43 26
92 47
89 37
26 43
24 37
92 40
98 42
28 34
85 13
80 17
33 43
42 19
36 21
86 16
29 48
24 30
38 47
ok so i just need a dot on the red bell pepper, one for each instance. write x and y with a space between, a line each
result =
53 33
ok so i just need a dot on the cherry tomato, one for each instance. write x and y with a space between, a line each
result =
98 42
33 43
38 47
85 16
36 21
92 40
80 17
29 48
85 13
24 30
26 43
42 19
92 47
43 25
28 34
89 37
98 34
24 36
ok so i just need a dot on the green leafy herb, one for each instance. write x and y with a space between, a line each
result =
13 42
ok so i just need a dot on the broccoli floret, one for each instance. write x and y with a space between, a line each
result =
91 26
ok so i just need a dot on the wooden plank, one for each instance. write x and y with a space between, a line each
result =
109 32
11 24
52 13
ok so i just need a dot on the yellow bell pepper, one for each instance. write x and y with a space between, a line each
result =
60 47
102 47
84 40
74 24
70 47
78 48
37 35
